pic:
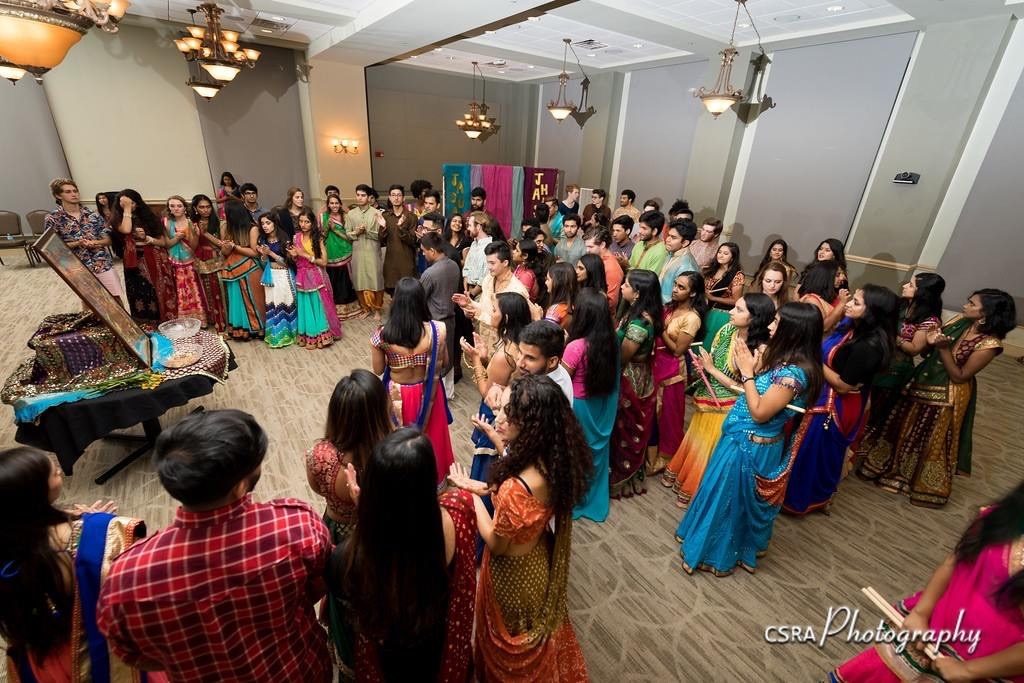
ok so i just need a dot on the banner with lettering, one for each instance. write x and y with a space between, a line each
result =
538 185
456 188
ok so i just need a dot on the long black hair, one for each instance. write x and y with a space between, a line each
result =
550 438
927 301
409 311
648 299
464 239
213 222
36 598
592 322
563 285
142 216
594 267
797 341
234 184
399 591
734 263
820 279
1003 523
998 311
698 298
358 416
879 322
838 253
762 313
279 233
515 315
239 222
785 256
533 260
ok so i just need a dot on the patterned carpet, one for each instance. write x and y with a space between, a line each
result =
638 616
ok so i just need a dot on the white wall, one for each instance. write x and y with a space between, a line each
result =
126 117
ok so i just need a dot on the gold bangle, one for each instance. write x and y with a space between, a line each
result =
479 374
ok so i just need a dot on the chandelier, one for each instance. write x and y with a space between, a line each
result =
475 123
214 49
561 108
723 95
35 35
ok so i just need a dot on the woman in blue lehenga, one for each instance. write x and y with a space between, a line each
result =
729 521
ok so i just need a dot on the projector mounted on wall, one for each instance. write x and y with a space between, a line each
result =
907 178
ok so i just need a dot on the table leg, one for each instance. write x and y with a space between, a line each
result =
152 429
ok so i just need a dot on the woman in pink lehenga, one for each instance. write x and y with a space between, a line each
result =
980 587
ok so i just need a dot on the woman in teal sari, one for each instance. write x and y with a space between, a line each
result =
595 391
928 437
730 519
51 567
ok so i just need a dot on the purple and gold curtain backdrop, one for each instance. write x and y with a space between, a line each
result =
512 191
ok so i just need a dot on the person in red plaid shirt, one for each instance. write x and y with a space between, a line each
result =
227 591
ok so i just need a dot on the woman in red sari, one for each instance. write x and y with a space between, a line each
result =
209 261
148 280
523 632
979 587
408 569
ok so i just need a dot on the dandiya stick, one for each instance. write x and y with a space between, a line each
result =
894 617
704 377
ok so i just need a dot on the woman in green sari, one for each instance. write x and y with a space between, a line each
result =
928 437
634 427
339 259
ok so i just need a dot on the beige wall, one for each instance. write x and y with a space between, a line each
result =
126 117
337 100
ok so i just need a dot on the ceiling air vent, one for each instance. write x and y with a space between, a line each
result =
265 25
590 44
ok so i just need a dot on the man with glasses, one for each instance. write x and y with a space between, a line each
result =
251 201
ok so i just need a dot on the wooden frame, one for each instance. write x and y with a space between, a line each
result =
90 290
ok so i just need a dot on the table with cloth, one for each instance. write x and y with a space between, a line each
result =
83 384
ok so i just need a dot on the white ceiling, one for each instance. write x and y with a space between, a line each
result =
459 61
634 33
544 37
774 19
291 26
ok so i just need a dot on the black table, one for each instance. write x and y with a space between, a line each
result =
69 428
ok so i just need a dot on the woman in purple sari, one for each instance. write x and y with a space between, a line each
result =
860 346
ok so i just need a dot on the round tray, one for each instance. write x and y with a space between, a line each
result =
183 356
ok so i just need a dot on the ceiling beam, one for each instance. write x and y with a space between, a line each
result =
607 15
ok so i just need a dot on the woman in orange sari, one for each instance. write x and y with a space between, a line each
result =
523 632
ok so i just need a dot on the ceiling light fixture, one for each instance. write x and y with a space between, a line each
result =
214 49
835 8
533 18
561 108
475 123
638 45
723 95
277 18
35 35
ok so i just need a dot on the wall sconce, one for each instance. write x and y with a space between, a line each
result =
345 146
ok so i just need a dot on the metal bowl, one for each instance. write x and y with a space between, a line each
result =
180 328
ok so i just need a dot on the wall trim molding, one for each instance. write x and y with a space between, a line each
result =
893 265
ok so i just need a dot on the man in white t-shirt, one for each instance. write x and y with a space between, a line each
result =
541 344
